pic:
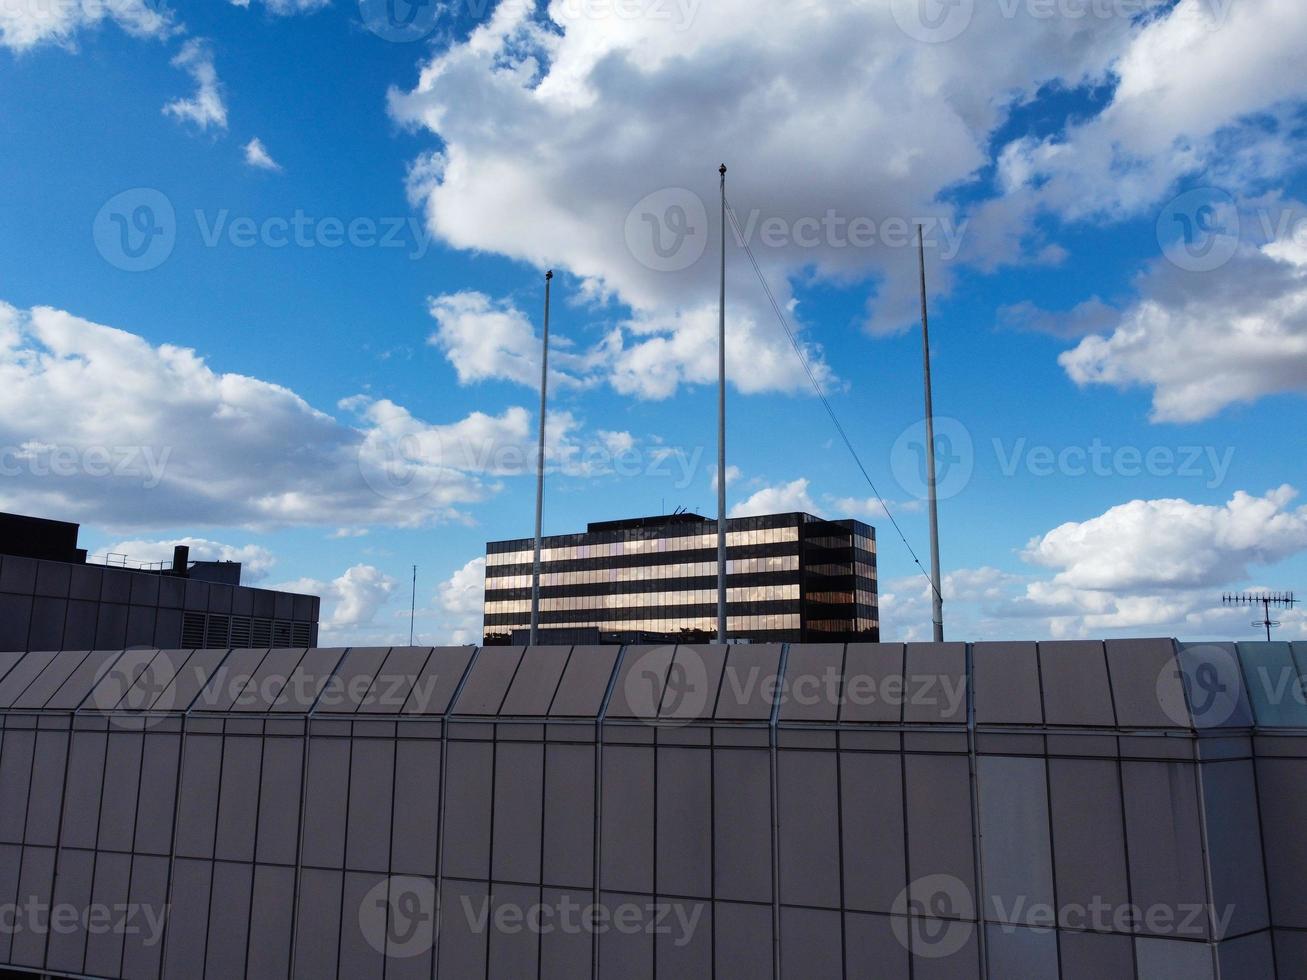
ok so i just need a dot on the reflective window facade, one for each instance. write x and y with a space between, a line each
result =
790 578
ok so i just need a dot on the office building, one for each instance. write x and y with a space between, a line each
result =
52 597
790 578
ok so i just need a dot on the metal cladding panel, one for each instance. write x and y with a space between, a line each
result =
18 574
8 658
79 625
684 822
469 791
35 885
1015 951
488 682
81 812
308 681
44 687
15 620
1096 956
107 684
462 949
23 674
415 825
640 682
742 941
1274 682
958 959
47 627
1146 683
111 627
519 811
813 680
140 626
229 920
1164 837
1016 852
261 693
1248 956
53 578
1006 680
111 889
351 681
188 919
142 949
515 948
438 682
395 681
238 800
11 863
371 786
742 822
565 954
812 944
1234 845
936 676
1283 797
1088 832
118 798
116 585
85 582
683 942
279 800
536 682
318 918
1075 682
749 683
15 779
808 797
326 800
45 797
72 889
362 953
627 824
940 832
569 815
873 673
1300 657
693 682
873 848
1218 698
410 931
628 954
229 680
137 680
585 682
871 949
1169 959
1291 952
197 802
191 678
158 795
272 923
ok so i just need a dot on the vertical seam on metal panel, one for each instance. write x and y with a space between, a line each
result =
544 796
390 845
598 826
1125 824
254 844
978 856
773 741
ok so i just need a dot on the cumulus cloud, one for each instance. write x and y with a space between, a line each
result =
26 25
99 425
206 107
286 8
461 601
350 602
256 561
783 499
258 157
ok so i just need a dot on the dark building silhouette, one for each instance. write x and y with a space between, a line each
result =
790 578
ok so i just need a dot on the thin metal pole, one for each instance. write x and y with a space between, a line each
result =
540 472
721 435
413 606
937 597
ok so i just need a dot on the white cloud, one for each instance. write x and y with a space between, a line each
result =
25 24
782 499
733 474
256 561
350 603
206 107
97 424
1204 342
257 156
484 339
286 8
461 598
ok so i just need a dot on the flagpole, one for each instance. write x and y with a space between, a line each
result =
540 472
937 597
721 433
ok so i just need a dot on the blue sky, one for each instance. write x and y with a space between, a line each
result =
1123 409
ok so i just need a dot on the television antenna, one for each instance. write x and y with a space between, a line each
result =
1267 600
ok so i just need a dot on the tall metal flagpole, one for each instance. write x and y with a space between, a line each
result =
540 472
721 435
937 598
